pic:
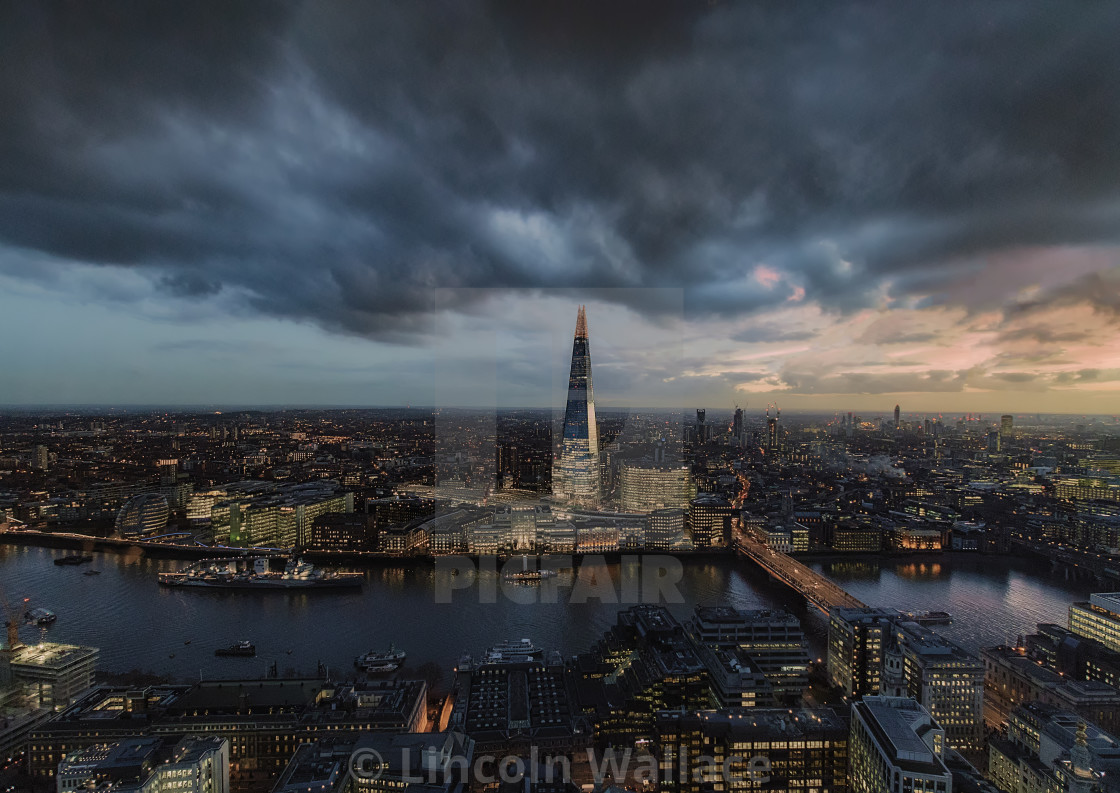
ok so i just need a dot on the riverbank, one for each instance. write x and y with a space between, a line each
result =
87 544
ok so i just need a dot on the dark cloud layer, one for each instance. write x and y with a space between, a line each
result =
355 164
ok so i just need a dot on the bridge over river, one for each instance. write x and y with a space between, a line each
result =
819 591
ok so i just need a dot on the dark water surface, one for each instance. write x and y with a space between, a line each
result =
139 625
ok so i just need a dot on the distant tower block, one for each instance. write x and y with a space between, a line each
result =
576 476
1006 424
897 416
701 425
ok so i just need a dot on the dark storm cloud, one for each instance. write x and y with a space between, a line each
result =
1098 291
366 165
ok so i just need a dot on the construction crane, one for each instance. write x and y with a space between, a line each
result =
11 623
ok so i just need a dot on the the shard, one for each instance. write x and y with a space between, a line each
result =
575 477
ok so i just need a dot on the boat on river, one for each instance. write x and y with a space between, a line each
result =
229 574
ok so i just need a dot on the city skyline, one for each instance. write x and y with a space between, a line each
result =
308 482
248 219
525 366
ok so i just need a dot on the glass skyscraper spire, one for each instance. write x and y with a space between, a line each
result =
575 479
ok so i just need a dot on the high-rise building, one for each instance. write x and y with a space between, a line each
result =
896 745
773 640
946 679
1098 619
703 433
168 471
40 459
1006 423
856 641
666 529
576 478
897 416
773 432
644 487
709 520
737 424
761 749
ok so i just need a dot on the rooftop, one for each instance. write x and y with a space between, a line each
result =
765 723
899 726
50 655
1110 601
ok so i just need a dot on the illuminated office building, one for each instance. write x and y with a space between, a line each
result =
709 520
144 514
1098 619
646 487
856 640
773 640
798 750
53 674
576 476
896 746
666 529
1046 748
149 765
946 679
773 432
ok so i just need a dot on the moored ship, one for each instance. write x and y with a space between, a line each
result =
228 574
529 576
514 649
40 616
74 559
388 661
245 649
526 575
928 617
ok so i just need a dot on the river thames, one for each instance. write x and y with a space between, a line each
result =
139 625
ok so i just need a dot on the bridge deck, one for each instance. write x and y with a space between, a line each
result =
819 591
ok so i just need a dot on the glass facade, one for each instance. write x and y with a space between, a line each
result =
576 477
1098 619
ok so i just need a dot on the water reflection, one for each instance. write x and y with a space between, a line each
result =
139 625
852 569
919 570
